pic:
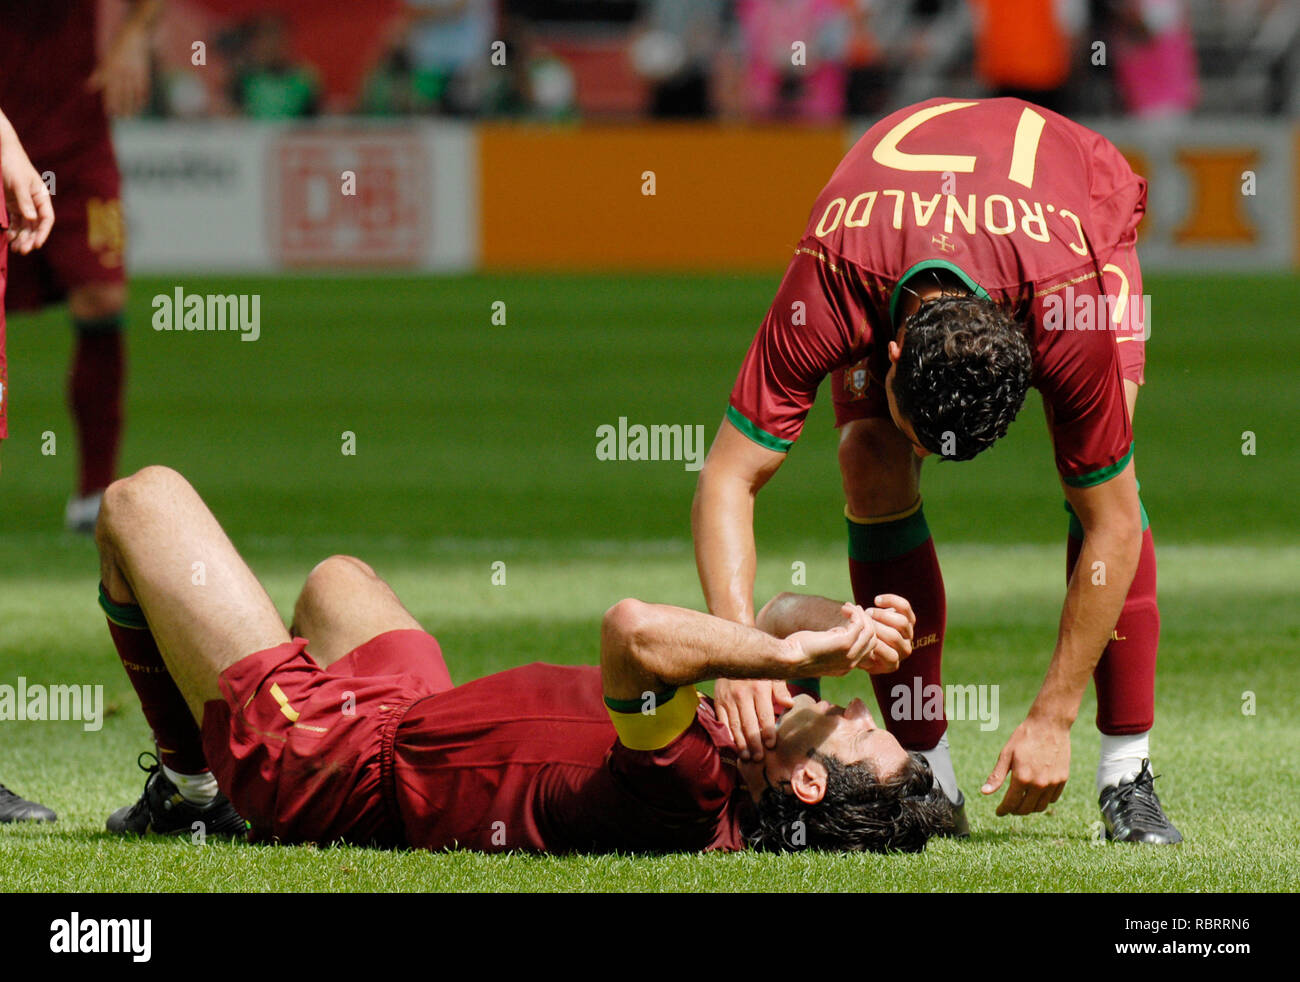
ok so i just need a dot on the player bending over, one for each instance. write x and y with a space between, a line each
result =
963 251
366 740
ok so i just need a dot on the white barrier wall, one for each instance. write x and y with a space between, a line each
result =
250 197
1222 195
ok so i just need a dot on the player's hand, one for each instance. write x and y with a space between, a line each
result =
748 708
837 651
123 73
27 199
894 622
1038 759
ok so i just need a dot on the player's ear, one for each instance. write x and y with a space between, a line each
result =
808 781
896 345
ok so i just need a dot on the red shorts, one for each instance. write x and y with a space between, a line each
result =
305 753
88 241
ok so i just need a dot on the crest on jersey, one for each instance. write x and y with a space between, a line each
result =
856 379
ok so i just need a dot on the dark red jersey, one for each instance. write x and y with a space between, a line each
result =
381 748
529 759
48 53
1025 206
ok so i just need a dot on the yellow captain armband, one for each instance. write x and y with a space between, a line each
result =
655 720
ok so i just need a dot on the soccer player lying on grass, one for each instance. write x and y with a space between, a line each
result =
365 740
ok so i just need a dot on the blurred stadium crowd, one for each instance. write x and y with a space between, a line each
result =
736 59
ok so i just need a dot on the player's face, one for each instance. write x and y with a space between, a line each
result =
847 733
900 421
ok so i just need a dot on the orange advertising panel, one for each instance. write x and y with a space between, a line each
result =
670 196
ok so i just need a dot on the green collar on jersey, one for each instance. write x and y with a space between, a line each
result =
921 267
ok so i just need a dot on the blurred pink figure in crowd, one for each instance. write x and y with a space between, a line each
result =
1155 59
794 54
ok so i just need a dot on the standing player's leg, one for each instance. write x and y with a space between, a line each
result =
96 390
182 607
891 550
1125 680
82 263
1125 676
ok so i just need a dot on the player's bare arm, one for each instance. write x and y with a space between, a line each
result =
1037 755
650 648
27 199
789 613
123 72
722 520
722 523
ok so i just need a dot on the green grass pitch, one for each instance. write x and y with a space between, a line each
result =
475 444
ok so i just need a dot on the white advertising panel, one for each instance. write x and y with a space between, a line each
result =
257 197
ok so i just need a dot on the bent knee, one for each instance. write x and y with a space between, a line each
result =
128 497
337 566
326 579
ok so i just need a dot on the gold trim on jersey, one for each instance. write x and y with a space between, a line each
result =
278 694
817 254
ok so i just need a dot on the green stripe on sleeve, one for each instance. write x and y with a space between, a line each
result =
759 436
1076 526
1100 476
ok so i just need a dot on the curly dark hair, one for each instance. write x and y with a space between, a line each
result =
858 813
962 375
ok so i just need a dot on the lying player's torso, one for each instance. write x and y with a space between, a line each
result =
521 760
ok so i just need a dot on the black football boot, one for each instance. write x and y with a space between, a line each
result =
1132 812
